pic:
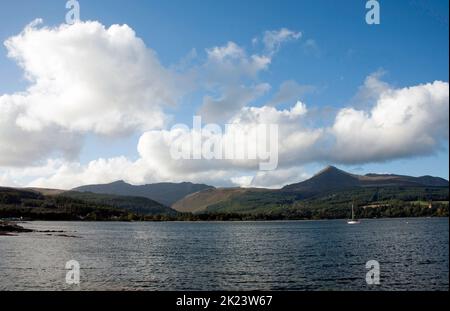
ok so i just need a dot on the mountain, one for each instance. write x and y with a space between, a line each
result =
327 179
328 189
165 193
332 178
328 194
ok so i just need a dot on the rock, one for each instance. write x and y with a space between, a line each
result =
7 227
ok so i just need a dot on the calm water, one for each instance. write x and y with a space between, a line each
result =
297 255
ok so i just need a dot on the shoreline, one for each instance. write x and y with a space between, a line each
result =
8 228
212 220
11 228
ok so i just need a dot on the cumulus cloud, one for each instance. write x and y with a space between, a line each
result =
230 72
67 175
228 78
20 146
86 77
155 146
404 122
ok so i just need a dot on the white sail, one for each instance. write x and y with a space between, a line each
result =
353 221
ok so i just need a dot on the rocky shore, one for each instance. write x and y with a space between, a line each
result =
9 228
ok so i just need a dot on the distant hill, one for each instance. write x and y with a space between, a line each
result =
200 201
328 189
332 178
45 191
48 204
327 195
137 205
31 204
165 193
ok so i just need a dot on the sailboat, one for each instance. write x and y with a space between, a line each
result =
353 221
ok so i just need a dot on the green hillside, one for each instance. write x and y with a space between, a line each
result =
328 194
15 203
369 202
165 193
137 205
31 204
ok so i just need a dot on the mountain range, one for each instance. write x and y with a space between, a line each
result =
328 182
165 193
325 195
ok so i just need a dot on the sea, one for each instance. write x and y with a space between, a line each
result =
378 254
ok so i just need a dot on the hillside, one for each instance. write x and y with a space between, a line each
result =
27 204
200 201
327 193
332 178
60 205
137 205
165 193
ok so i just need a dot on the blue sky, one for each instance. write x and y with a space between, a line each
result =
410 46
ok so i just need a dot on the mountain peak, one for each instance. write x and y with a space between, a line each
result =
118 182
330 169
329 178
332 178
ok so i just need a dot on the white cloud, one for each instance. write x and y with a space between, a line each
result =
229 73
370 91
19 146
84 78
154 146
231 63
274 38
229 51
228 79
243 181
404 122
88 78
68 175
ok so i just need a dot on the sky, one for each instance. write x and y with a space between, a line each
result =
94 102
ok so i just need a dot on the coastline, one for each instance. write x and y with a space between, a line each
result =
10 228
